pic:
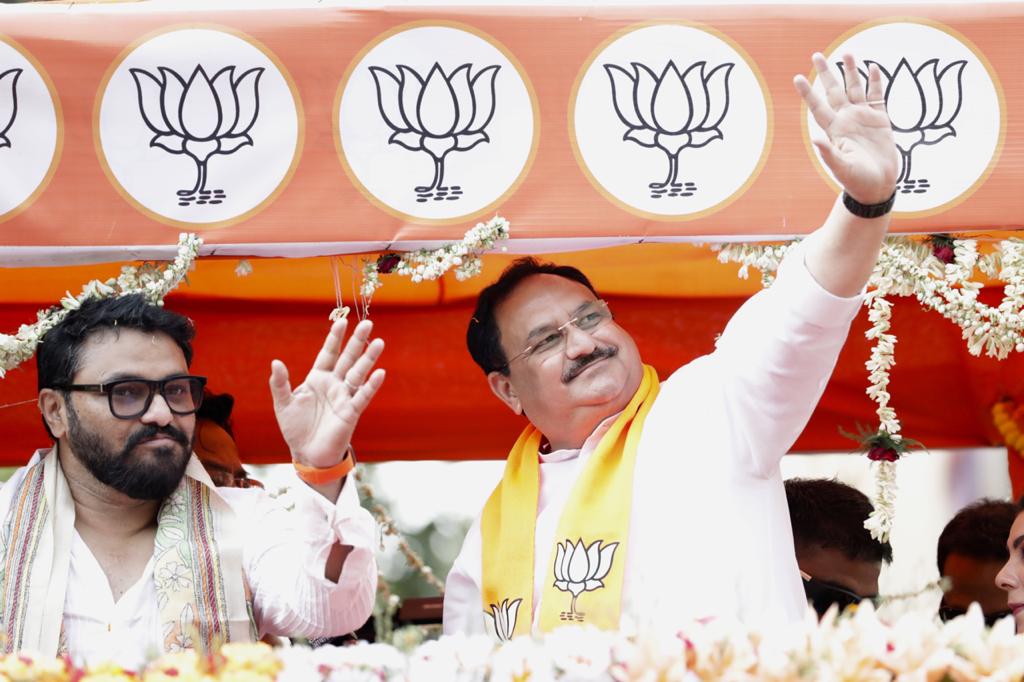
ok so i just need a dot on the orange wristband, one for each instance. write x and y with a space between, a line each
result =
317 476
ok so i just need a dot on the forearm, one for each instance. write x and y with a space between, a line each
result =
845 249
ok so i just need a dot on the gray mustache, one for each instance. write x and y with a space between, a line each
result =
580 364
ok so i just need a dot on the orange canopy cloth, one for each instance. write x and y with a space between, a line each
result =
316 129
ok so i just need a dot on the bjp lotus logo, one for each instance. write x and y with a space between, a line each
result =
503 617
8 103
580 569
671 112
922 103
200 118
437 115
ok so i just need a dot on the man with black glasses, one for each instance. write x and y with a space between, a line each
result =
115 543
839 560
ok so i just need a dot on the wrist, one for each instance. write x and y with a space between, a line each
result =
873 210
322 475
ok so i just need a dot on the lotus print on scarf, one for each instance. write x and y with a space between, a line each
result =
8 103
503 618
922 104
671 112
580 569
200 118
437 115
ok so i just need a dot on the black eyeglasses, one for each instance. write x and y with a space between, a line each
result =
823 595
131 398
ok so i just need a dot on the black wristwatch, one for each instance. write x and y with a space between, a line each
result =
868 210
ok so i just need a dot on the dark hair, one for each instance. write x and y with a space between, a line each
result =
59 354
827 513
217 408
979 531
483 338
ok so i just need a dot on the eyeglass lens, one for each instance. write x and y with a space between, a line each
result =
132 397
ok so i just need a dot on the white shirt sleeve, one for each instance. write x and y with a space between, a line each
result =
287 543
775 358
463 609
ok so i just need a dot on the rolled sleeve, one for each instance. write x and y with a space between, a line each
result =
286 560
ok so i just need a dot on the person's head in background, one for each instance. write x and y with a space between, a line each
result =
215 443
1010 578
839 560
971 551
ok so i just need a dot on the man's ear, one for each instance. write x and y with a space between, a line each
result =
51 405
502 387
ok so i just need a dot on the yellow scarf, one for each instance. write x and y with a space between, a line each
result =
586 581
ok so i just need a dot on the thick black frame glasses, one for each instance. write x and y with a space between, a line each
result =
183 394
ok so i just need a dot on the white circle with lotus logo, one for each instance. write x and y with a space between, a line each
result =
30 131
436 123
670 121
199 127
944 105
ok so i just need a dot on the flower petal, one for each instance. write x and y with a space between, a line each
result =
643 93
148 88
593 557
409 96
951 91
464 106
928 79
559 557
388 87
170 100
645 137
622 95
607 556
511 615
672 106
718 96
436 107
484 98
696 86
468 141
169 142
200 111
224 90
579 568
232 142
937 134
592 585
247 95
408 139
566 558
700 138
905 99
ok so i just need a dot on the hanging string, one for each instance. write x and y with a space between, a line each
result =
340 311
17 404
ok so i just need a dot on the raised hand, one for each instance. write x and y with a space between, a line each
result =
860 150
318 417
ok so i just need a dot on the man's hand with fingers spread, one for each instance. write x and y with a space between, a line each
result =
318 417
860 149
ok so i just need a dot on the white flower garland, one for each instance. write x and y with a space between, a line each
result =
425 264
152 281
910 268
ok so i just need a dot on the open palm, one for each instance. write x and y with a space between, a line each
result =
860 150
318 417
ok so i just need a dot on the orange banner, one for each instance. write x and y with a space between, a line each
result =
323 130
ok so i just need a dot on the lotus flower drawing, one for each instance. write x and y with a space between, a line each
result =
8 103
199 117
504 618
922 104
437 115
580 569
672 111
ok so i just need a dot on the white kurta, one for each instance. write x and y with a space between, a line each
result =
709 531
284 552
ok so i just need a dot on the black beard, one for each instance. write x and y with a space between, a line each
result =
580 364
121 470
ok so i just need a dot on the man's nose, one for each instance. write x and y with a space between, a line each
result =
578 343
158 413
